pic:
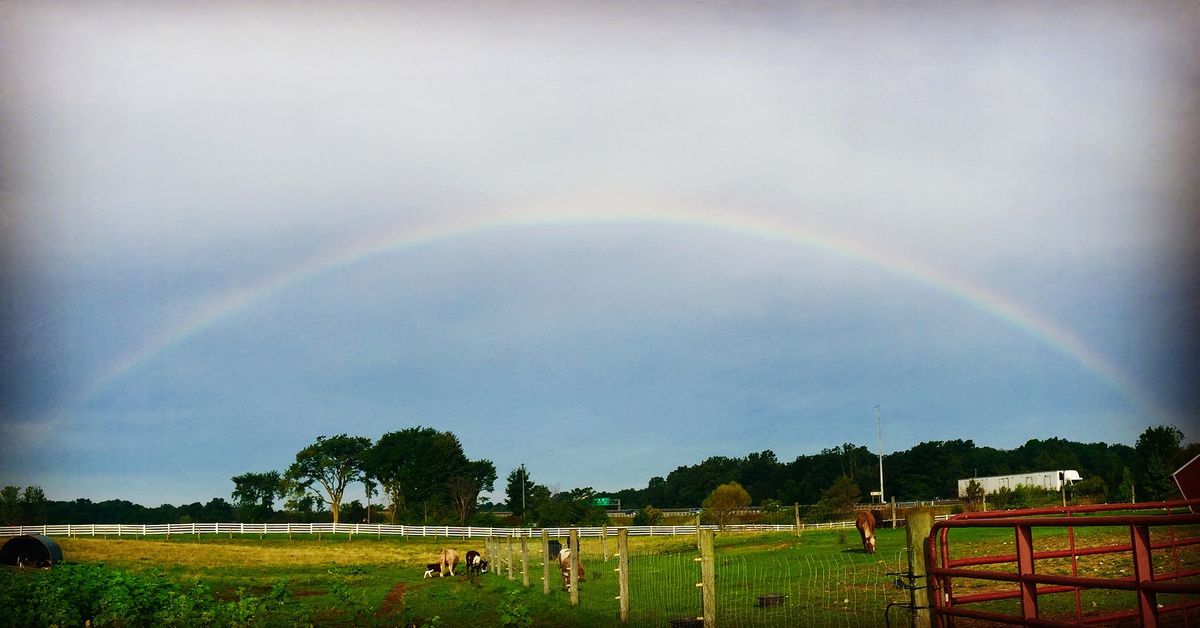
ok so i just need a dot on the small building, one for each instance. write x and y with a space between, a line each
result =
1049 480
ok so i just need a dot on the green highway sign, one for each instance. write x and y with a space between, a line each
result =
601 501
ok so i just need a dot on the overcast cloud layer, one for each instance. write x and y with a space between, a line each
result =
161 158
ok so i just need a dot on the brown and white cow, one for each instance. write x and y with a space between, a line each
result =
564 564
865 522
449 561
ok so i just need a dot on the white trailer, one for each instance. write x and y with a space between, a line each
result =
1049 480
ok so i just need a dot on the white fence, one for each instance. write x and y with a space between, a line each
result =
378 530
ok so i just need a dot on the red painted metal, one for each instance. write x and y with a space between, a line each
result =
1025 560
1143 572
1139 519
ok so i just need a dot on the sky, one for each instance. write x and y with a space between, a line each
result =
602 240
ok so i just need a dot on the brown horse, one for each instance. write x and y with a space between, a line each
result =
865 522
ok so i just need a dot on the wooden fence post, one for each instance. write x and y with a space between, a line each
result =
545 562
917 523
604 541
573 543
797 507
623 569
708 579
893 512
510 559
524 562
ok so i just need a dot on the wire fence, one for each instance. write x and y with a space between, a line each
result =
782 583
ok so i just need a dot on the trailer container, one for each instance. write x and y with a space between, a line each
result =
1049 480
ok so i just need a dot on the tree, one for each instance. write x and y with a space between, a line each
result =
974 493
1156 456
842 495
33 505
648 516
724 501
255 493
466 483
10 505
410 465
332 462
518 489
426 468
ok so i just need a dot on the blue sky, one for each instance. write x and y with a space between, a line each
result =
602 242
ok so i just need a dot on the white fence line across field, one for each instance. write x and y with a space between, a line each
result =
381 530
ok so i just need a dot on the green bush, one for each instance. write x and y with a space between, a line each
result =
70 595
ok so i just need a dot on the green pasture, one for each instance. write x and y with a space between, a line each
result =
824 578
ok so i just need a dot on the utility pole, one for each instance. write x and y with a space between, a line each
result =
879 426
523 491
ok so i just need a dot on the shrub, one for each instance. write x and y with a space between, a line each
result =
648 516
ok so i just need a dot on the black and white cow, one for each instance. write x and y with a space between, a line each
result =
476 563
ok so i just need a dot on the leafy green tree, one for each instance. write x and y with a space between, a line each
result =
1091 487
974 494
332 463
10 505
425 470
255 494
724 501
518 489
1156 455
465 484
567 508
842 495
217 509
648 516
33 505
410 465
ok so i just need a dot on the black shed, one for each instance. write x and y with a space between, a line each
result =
31 549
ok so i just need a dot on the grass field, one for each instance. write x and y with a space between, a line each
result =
824 578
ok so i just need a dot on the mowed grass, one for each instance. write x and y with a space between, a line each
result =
386 575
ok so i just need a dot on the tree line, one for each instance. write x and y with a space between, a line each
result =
421 475
929 470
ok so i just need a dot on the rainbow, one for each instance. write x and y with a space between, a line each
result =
992 303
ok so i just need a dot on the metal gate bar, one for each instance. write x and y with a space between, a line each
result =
1146 585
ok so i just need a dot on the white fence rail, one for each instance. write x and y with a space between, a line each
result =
378 530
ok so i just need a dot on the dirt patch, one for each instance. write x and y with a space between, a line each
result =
393 603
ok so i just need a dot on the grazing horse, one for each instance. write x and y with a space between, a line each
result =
865 522
564 564
475 562
449 561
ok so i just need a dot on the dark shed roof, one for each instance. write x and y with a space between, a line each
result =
30 549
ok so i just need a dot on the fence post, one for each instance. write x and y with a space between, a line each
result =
524 562
708 579
604 541
545 562
623 571
573 543
510 559
917 523
893 512
797 507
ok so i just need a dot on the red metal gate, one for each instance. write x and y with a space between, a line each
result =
1151 552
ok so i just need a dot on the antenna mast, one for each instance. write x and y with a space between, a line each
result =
879 426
